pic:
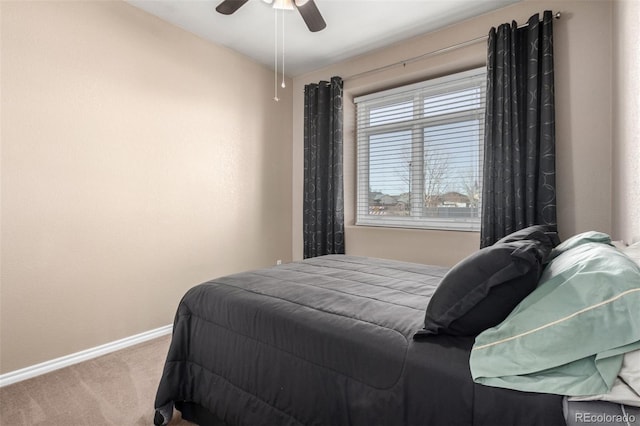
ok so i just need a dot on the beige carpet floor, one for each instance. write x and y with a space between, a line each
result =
114 389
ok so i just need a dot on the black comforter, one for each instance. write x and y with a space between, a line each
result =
328 341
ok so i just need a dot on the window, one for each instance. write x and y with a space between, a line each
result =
420 154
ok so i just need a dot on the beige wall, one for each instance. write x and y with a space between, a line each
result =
626 118
130 170
583 116
137 161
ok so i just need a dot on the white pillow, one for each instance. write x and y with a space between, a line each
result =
626 388
633 251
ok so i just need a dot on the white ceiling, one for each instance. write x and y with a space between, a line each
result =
353 27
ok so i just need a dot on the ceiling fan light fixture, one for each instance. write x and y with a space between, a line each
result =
307 9
283 4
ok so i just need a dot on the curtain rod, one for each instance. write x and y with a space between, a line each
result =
404 62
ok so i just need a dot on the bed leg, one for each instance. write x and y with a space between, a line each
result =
163 415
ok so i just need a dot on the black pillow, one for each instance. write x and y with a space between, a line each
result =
481 290
543 233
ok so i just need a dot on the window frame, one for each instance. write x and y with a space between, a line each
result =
415 94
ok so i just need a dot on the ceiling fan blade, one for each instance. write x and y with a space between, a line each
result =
227 7
311 15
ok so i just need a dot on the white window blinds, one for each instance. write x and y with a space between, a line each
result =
420 154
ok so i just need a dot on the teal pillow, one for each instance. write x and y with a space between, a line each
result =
579 239
568 336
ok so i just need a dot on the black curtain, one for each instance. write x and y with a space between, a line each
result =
519 186
323 219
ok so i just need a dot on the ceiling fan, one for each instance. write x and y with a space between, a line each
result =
307 8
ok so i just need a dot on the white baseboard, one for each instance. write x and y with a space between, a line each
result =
65 361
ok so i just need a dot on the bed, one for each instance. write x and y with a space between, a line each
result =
339 340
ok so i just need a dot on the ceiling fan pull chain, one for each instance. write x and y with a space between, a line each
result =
275 56
283 85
